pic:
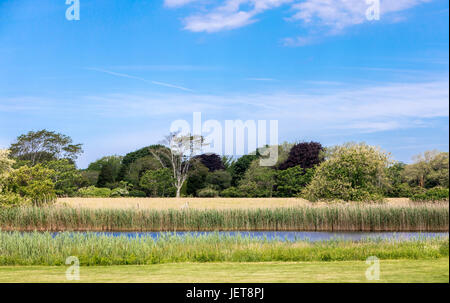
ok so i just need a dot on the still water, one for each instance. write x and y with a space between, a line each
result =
294 236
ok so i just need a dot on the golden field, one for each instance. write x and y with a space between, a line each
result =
199 203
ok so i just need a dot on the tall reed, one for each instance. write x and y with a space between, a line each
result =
423 217
36 248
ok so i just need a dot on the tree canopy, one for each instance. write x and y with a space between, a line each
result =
43 145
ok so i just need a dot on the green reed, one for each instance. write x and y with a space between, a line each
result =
422 217
37 248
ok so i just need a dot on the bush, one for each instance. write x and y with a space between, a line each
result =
158 183
94 192
137 193
119 192
352 172
231 192
9 199
34 183
432 195
290 182
207 193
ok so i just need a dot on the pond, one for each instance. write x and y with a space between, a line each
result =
294 236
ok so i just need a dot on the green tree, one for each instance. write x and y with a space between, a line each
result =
158 183
258 181
106 176
138 168
429 169
351 172
67 178
115 161
34 183
219 179
43 145
240 166
5 164
291 181
197 177
179 151
396 186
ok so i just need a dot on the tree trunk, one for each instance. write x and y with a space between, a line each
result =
178 191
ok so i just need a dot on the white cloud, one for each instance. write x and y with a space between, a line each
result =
230 15
339 14
333 16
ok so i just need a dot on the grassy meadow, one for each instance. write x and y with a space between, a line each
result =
391 271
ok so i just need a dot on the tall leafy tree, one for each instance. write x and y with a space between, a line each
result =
212 161
429 169
179 151
67 178
40 146
106 176
197 177
305 154
351 172
240 166
158 183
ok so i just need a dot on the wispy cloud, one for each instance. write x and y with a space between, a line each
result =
139 78
326 16
360 109
230 14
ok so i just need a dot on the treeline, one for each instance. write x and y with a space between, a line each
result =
40 166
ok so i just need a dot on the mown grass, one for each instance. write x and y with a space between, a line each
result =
391 271
422 217
37 248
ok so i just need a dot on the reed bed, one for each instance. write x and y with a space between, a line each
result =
96 249
422 217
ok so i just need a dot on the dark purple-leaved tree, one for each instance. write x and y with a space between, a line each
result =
212 161
305 154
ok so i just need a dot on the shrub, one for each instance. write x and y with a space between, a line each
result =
432 195
258 181
207 193
291 181
9 199
352 172
94 192
119 192
231 192
34 183
137 193
219 179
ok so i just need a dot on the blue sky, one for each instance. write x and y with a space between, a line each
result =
116 79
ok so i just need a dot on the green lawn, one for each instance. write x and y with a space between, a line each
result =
341 271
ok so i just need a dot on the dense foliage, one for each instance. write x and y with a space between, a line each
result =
305 154
352 172
40 167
